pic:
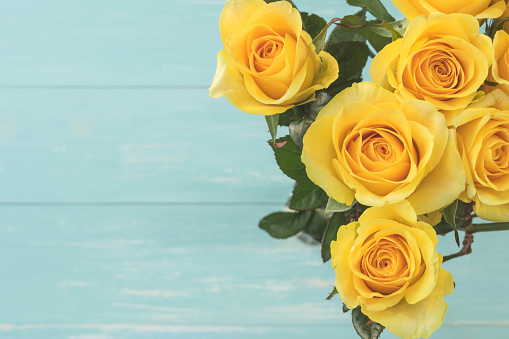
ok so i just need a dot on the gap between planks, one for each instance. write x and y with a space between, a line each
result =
140 203
69 86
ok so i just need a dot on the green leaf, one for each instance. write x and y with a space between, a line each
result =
345 309
314 107
285 118
395 34
334 207
338 86
375 7
282 225
313 23
272 121
365 328
288 159
449 214
373 31
351 56
443 227
331 233
305 115
332 294
307 196
298 129
398 27
319 40
316 226
338 35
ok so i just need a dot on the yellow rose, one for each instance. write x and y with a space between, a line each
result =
387 264
483 141
441 59
269 63
500 66
480 9
366 144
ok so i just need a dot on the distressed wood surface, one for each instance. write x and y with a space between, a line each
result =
129 199
103 145
152 271
165 43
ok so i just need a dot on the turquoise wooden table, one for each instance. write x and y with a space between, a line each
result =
129 199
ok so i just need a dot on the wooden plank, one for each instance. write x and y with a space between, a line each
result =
197 272
207 266
129 145
117 42
136 331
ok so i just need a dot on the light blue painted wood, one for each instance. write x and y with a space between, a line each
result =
208 272
161 271
118 42
128 145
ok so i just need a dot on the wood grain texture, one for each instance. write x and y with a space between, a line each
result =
136 146
118 42
129 199
206 272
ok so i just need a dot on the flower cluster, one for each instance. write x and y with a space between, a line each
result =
427 136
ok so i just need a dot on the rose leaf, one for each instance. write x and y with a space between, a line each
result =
332 294
365 328
351 56
333 207
449 214
316 226
272 121
307 196
288 159
377 35
331 233
282 225
312 23
375 7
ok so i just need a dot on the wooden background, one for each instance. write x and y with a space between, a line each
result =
129 199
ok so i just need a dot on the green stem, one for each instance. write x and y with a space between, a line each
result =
469 237
466 249
496 226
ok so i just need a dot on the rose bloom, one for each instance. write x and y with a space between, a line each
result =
269 63
367 145
500 67
480 9
441 59
483 141
387 263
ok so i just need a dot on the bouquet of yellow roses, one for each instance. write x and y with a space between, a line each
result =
381 167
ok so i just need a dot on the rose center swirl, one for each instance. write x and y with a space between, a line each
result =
379 145
265 50
385 264
496 162
376 148
436 69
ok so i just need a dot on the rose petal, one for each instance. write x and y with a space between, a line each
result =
235 14
317 155
229 82
444 183
340 255
418 320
